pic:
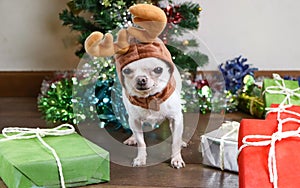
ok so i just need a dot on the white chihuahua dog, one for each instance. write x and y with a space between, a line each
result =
147 77
150 81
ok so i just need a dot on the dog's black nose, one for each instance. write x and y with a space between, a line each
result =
141 80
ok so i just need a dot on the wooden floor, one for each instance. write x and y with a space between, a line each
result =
22 112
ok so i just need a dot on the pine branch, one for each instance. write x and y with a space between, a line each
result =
188 61
190 13
88 5
75 22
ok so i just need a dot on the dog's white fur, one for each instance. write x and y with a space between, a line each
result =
170 109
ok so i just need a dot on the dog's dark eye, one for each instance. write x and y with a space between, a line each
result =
127 71
158 70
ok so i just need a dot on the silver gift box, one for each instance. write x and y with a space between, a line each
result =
219 148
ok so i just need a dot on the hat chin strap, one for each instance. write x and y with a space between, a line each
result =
153 102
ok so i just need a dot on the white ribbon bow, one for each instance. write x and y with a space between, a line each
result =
280 88
16 133
271 140
233 129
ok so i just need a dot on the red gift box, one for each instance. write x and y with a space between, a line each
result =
253 160
290 111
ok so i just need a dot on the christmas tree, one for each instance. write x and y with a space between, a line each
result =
87 16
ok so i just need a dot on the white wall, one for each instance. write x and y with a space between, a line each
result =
265 31
32 38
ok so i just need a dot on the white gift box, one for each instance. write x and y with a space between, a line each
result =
220 147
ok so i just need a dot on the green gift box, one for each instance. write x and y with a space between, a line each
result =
28 163
277 90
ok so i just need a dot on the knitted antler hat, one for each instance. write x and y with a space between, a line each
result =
134 44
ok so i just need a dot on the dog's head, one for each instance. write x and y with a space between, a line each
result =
144 65
146 76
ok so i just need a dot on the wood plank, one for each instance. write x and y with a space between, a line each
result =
295 73
23 83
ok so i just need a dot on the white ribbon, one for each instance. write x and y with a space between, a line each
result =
271 140
16 133
282 108
233 128
280 88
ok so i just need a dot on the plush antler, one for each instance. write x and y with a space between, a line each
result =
97 46
152 21
122 44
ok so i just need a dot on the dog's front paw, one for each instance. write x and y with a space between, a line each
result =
184 144
177 162
139 161
131 141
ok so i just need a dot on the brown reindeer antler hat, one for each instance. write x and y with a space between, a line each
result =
134 43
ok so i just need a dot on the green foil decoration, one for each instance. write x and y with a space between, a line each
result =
55 101
251 105
195 99
205 99
250 100
225 101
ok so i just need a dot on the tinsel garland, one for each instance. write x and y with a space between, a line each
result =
234 72
110 109
84 94
194 99
202 96
55 99
205 96
207 102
